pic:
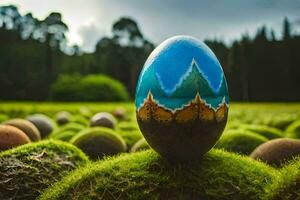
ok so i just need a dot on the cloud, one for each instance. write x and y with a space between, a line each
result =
90 34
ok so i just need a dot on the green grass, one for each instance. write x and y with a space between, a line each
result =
21 109
144 175
26 170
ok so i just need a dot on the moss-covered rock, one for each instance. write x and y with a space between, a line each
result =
43 123
26 170
140 145
266 131
293 130
277 152
26 126
67 131
144 175
11 136
98 142
287 185
240 141
103 119
62 117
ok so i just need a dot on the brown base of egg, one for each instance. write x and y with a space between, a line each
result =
182 142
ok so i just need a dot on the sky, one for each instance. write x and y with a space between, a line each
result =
90 20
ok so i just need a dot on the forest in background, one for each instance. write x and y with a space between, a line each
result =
34 54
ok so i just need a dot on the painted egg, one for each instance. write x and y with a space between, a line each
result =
182 99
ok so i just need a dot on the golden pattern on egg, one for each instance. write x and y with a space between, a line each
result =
196 109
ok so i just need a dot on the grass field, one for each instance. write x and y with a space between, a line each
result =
226 172
239 112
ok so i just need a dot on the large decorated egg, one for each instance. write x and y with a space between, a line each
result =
182 99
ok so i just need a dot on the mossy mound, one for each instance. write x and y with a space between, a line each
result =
27 127
277 152
67 131
287 185
293 130
130 132
43 123
140 145
98 142
127 126
281 122
11 136
26 170
266 131
103 119
240 141
144 175
79 119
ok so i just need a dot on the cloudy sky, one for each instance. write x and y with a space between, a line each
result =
89 20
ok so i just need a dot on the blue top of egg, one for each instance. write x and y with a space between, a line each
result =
170 64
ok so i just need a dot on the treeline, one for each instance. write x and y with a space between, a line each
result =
34 54
262 68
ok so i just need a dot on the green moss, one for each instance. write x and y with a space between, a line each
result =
26 170
240 141
79 119
287 185
3 118
127 126
266 131
281 122
293 130
67 131
98 142
144 175
131 137
130 132
140 145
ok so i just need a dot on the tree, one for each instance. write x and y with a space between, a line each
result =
127 33
286 29
129 46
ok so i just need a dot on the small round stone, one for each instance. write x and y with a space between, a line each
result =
278 151
103 119
11 137
62 117
119 113
27 127
43 124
